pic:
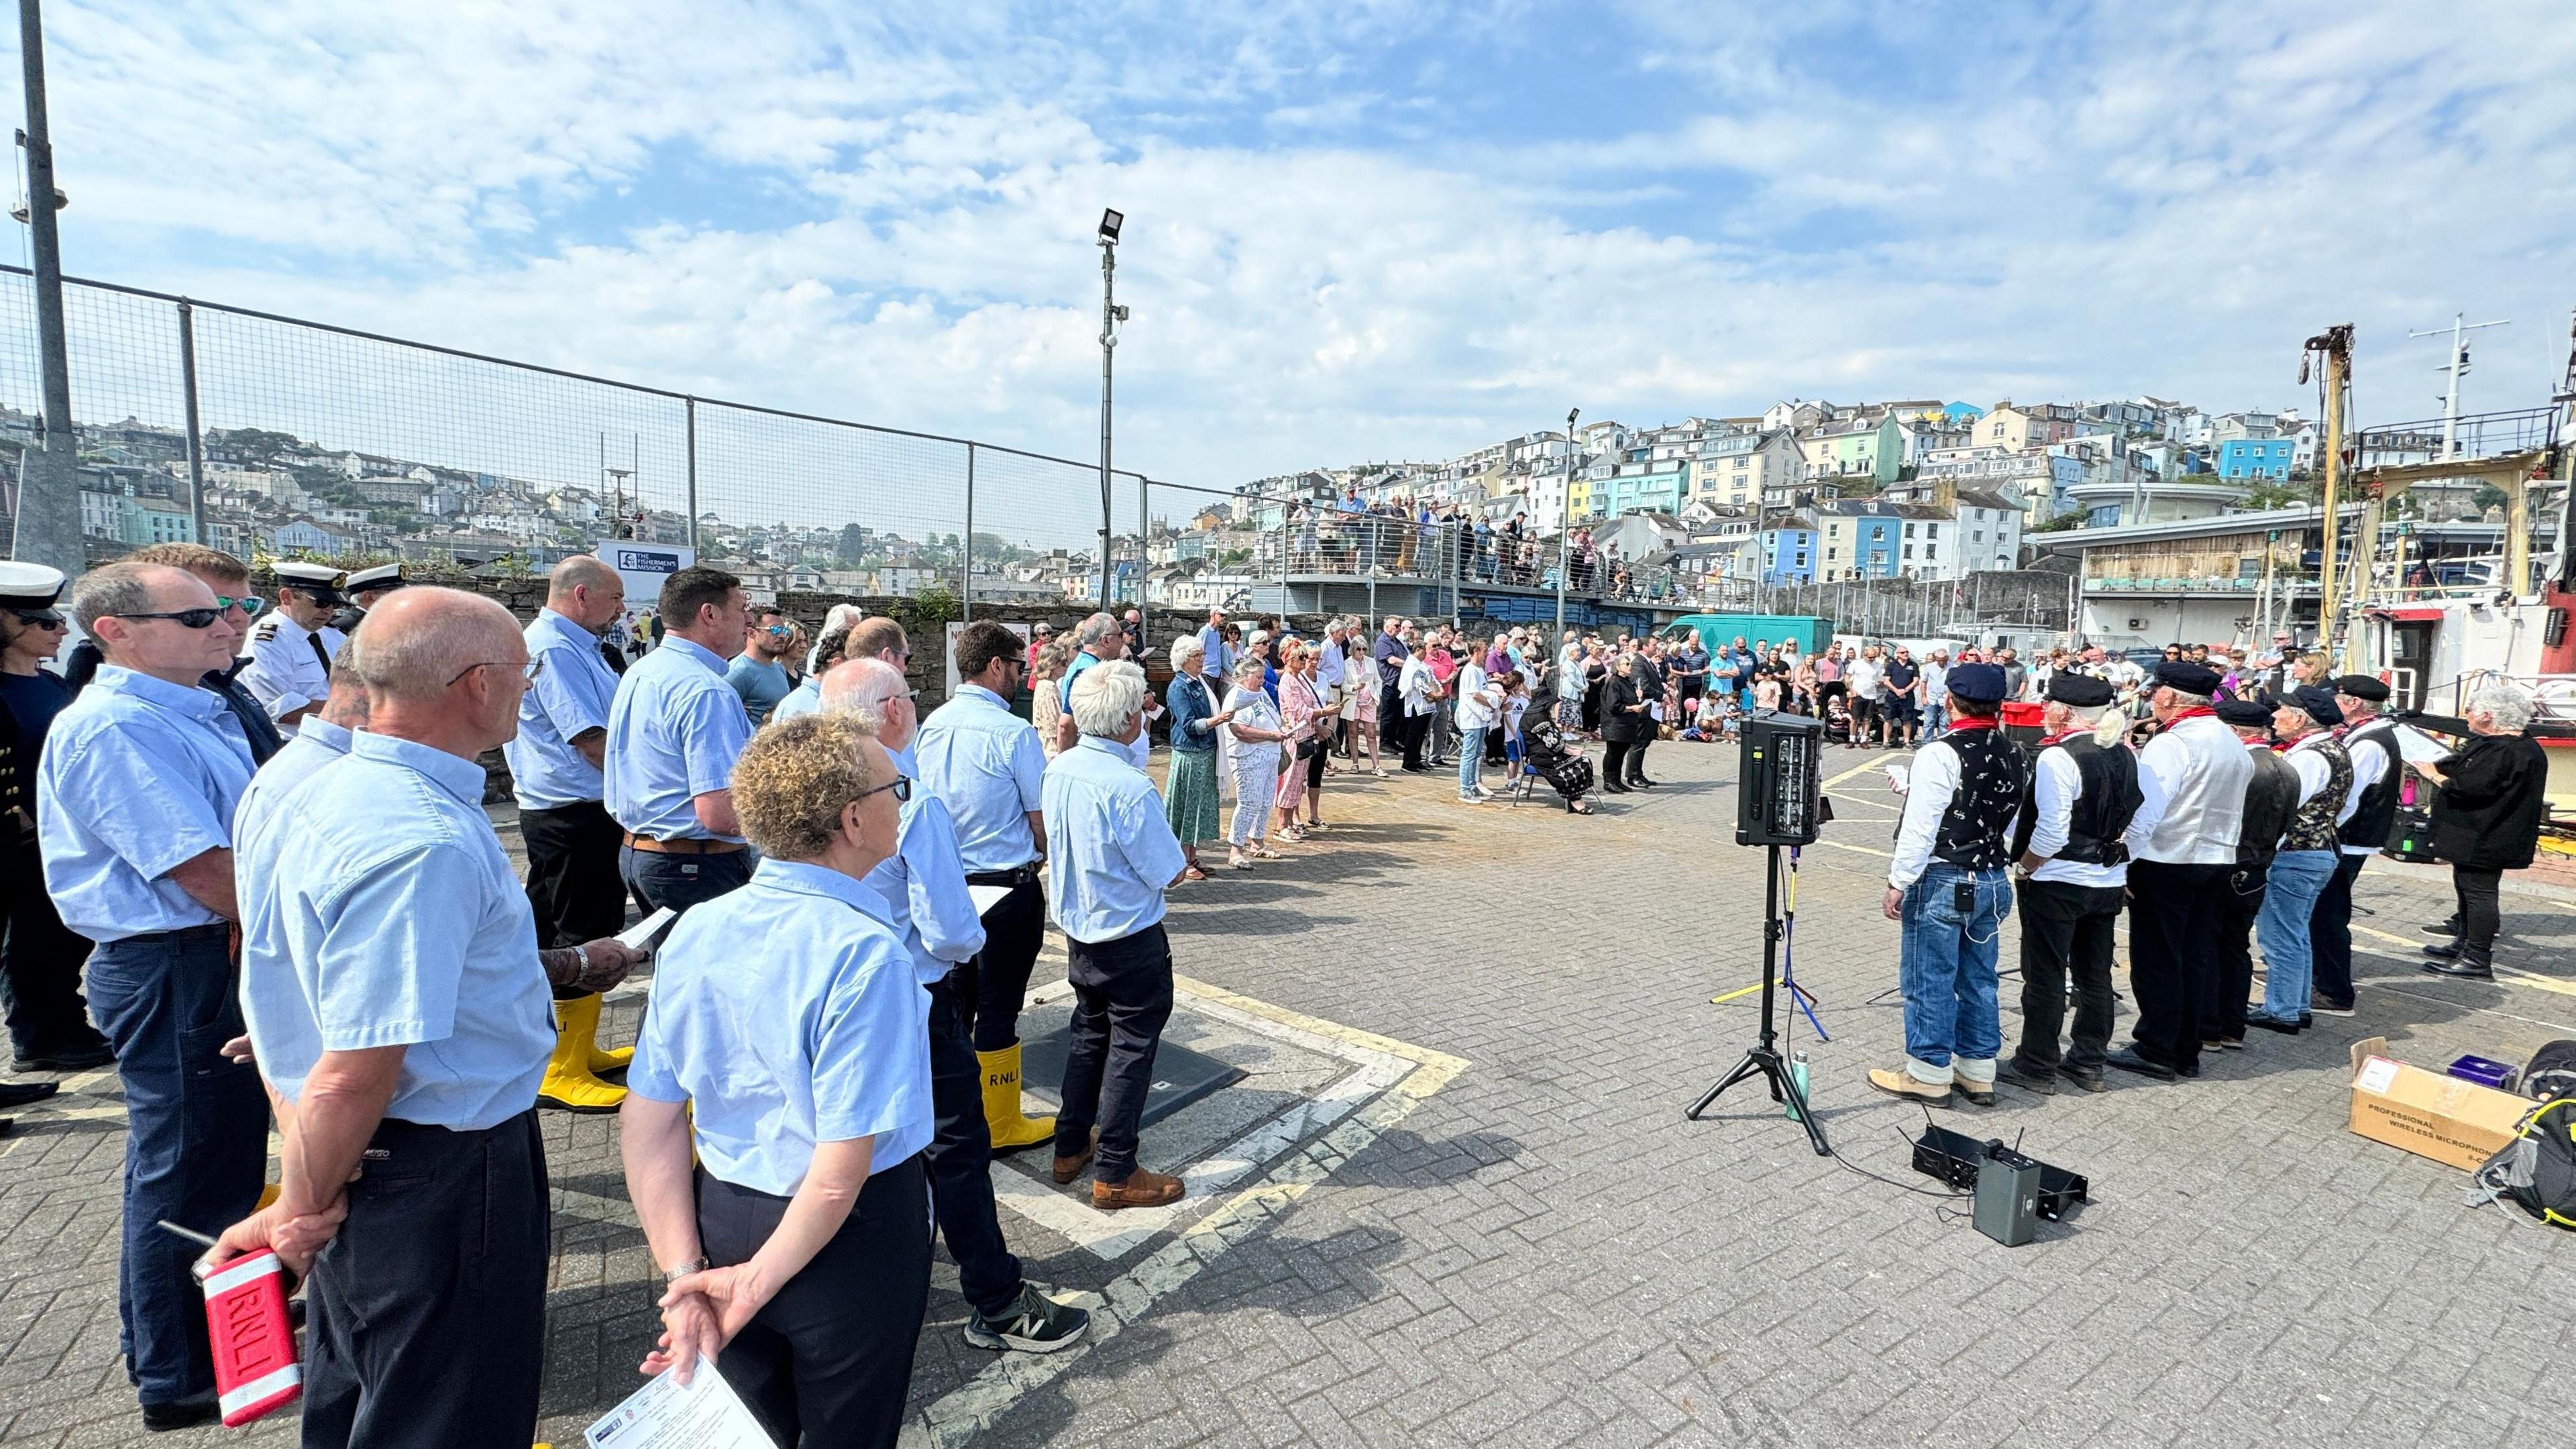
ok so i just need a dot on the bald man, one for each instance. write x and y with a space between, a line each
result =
398 1007
924 887
573 883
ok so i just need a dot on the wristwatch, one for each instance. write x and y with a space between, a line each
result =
694 1265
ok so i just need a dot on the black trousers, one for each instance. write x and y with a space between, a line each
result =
1315 782
2480 914
574 883
961 1159
827 1361
426 1314
1614 765
2330 933
2173 956
2240 901
2066 931
40 963
1122 995
992 986
1416 728
680 881
1637 755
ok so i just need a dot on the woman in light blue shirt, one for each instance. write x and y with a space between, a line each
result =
798 1251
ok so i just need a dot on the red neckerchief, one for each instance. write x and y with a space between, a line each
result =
2064 734
1971 722
2198 711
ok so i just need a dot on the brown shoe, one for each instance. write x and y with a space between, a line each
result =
1068 1168
1141 1189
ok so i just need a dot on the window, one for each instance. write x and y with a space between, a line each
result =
1909 550
1802 558
1931 550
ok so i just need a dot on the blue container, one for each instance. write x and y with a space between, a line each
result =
2484 1072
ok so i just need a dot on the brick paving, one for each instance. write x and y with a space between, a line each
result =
1541 1251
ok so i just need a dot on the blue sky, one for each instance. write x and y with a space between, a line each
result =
1357 230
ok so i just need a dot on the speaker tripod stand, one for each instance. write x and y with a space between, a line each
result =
1764 1059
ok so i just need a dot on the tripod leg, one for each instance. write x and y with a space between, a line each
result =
1752 1063
1806 1113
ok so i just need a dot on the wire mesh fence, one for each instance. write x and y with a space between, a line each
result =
311 440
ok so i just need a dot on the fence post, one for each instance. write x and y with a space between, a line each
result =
966 569
691 407
196 444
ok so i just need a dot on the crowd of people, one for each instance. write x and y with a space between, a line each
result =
2243 818
265 845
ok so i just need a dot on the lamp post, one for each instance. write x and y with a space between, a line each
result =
1565 521
48 515
1111 314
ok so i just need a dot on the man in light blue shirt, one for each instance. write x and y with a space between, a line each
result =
135 796
323 737
1111 856
924 886
985 764
1219 667
574 884
1098 639
759 672
674 731
397 999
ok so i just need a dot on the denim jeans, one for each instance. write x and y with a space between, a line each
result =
1948 973
196 1144
2289 898
1471 760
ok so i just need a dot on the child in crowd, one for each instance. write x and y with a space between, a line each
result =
1838 722
1515 705
1766 690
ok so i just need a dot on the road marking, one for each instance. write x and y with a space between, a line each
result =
983 1399
1860 849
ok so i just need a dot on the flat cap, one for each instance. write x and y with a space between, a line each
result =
2188 677
1977 683
2247 712
2083 690
2362 686
2319 703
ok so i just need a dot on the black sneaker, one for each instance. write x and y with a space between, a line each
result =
2323 1007
1034 1324
67 1059
2450 927
182 1413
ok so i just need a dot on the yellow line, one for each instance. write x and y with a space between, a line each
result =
1730 996
1863 768
1369 1040
1861 849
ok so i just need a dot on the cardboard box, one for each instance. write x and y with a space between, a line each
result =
2428 1113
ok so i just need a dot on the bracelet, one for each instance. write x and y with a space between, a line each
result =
697 1264
580 962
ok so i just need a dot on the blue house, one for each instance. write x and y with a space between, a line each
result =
2255 458
1789 552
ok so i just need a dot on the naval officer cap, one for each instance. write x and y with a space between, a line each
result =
2362 686
381 577
31 589
2245 712
2188 677
2080 690
1978 683
320 580
2319 703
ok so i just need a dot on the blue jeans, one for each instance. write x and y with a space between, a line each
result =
1936 718
1471 760
1948 973
196 1139
2289 898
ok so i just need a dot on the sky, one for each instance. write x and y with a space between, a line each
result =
1356 230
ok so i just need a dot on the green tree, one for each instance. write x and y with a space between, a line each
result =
2490 496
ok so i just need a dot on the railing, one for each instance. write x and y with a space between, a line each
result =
2478 435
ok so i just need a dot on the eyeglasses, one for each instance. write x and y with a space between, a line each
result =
184 618
246 603
901 785
528 671
37 621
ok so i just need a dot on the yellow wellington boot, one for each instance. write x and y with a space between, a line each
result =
1011 1131
603 1060
569 1086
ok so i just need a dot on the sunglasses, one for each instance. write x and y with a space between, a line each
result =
247 604
901 785
38 621
530 670
184 618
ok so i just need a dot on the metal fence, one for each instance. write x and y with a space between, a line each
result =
274 435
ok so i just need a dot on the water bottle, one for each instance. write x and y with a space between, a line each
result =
1798 1075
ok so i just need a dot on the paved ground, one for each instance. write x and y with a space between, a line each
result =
1455 1201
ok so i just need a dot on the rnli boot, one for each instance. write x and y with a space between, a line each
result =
1011 1131
569 1085
603 1060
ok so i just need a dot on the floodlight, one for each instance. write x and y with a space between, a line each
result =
1109 223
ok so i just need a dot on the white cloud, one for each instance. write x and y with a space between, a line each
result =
1860 199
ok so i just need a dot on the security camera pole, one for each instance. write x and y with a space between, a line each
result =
48 513
1111 314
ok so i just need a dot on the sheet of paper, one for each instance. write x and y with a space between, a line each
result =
2418 748
986 897
643 935
707 1414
